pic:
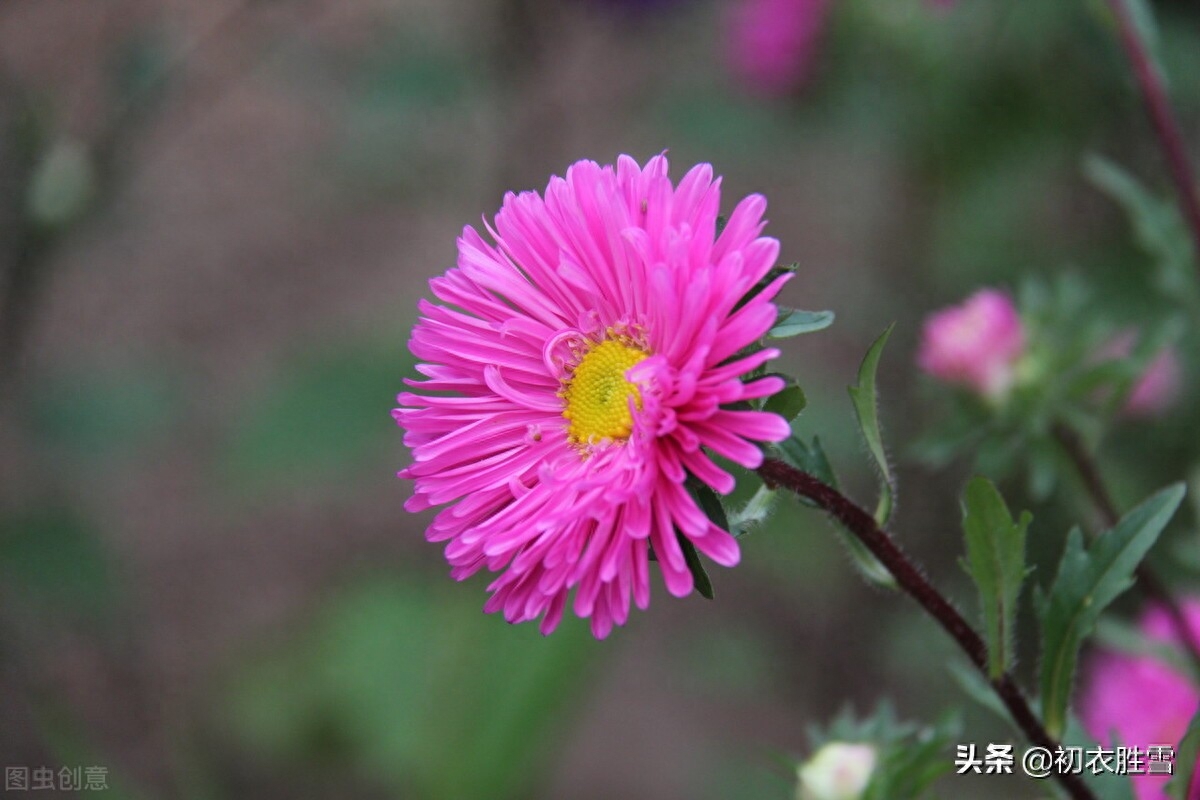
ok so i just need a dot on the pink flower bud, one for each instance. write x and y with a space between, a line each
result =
772 44
1157 388
974 345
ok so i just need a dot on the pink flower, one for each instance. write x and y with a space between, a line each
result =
1157 388
772 44
1142 700
974 345
586 363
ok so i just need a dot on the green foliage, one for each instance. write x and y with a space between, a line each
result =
866 406
409 686
713 508
910 758
754 513
1061 381
1105 786
793 322
1121 636
62 186
809 458
1185 762
1158 226
325 416
1088 581
51 558
787 403
99 411
812 459
996 562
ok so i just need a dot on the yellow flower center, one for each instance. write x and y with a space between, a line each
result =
597 393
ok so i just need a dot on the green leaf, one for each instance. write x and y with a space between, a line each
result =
754 513
714 509
793 322
866 406
767 280
972 682
1185 762
1087 582
1123 637
808 458
787 403
1157 225
696 567
812 459
996 562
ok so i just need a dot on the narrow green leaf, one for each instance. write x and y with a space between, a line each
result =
714 509
809 458
696 567
1088 581
754 513
770 277
864 397
1185 762
787 403
812 459
868 566
1157 225
996 562
793 322
709 502
971 681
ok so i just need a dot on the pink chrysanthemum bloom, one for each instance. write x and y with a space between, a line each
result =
590 357
975 345
772 44
1142 700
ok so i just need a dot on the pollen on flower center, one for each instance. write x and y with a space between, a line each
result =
597 393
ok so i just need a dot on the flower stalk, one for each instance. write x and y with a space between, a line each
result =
910 578
1162 115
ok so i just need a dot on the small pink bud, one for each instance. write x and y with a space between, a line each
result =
772 44
1157 388
974 345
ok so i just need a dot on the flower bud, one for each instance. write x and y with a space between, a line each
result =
974 345
772 44
838 771
1157 388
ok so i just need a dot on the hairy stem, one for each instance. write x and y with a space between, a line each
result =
1162 115
910 578
1151 585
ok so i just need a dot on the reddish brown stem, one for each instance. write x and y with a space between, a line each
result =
1162 116
910 578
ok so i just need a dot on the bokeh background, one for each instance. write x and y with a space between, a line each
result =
215 221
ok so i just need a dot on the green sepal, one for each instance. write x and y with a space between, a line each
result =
787 402
793 322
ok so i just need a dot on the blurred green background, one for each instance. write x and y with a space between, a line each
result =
216 221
